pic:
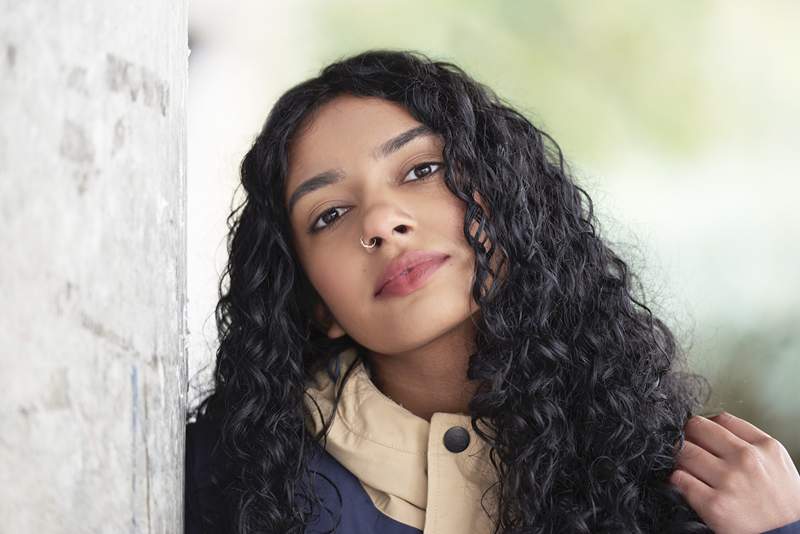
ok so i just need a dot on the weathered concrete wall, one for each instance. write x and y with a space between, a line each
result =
93 276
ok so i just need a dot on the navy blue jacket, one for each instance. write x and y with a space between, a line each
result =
358 515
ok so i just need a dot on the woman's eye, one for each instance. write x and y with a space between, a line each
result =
326 219
426 165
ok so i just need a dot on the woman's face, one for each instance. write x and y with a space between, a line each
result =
397 195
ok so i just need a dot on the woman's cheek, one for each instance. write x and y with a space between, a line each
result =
343 288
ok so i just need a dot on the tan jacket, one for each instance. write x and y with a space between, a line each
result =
402 461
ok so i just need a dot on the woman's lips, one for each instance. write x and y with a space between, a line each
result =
412 280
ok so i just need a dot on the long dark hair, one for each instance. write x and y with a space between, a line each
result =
583 389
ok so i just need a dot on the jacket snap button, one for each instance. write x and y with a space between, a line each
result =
456 439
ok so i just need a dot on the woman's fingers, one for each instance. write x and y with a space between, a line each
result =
696 492
713 437
741 428
701 464
736 477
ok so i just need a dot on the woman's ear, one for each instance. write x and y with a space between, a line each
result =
502 257
479 199
325 318
474 227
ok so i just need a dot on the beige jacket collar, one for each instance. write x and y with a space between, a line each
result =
401 459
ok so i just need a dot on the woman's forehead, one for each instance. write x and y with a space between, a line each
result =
349 122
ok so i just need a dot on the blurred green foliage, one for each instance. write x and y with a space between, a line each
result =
592 77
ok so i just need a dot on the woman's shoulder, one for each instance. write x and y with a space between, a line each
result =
202 440
346 502
204 473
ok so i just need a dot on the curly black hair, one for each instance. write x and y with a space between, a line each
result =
585 392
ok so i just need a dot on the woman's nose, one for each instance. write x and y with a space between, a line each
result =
385 222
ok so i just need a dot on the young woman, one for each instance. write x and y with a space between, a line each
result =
422 331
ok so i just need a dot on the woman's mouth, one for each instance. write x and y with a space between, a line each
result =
411 279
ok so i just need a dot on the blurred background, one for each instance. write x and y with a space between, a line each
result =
680 119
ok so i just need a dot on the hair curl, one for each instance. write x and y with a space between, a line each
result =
580 383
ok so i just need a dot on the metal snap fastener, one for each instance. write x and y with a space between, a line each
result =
456 439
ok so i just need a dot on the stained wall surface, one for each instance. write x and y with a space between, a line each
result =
93 270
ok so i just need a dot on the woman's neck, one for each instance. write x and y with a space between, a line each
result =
429 379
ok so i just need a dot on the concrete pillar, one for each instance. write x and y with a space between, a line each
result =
93 269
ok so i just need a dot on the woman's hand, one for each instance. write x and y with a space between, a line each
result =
738 478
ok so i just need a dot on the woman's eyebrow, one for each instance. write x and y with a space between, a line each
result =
332 176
